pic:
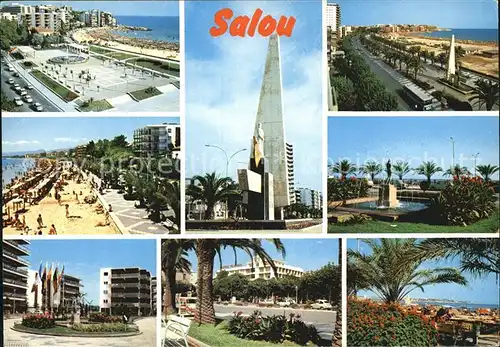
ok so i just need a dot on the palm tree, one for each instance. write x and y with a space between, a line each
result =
206 250
210 190
457 170
401 168
371 168
480 257
393 272
486 93
441 58
486 171
428 169
173 259
343 168
168 195
432 57
417 66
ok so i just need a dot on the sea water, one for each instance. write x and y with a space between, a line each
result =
12 167
466 34
162 28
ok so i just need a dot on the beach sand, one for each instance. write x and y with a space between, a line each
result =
101 36
83 218
488 66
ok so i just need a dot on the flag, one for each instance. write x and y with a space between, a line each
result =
49 274
55 284
59 280
35 284
40 270
44 279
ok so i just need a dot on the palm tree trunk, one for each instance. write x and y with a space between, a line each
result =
205 311
169 292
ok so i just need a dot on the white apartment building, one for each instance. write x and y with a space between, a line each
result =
15 275
153 140
259 269
334 33
310 197
125 290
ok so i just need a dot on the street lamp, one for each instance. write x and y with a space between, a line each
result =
475 158
296 294
228 159
453 151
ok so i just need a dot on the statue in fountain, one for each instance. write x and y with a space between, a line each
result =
388 169
387 194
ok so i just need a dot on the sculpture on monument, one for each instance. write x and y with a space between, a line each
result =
387 192
388 170
258 144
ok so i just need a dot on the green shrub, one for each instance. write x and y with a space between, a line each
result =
466 200
373 324
355 219
39 321
345 189
104 318
101 327
424 185
275 329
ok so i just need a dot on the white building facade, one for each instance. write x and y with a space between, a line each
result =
260 269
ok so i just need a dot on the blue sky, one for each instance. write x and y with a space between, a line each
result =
444 13
25 134
223 81
308 254
414 139
117 8
84 258
478 291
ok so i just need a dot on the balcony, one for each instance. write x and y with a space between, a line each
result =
15 257
9 282
72 284
128 275
15 270
129 295
17 246
14 295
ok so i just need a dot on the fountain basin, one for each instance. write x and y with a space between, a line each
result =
403 206
67 59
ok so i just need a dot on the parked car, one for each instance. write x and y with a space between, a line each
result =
16 85
28 86
10 81
11 68
18 101
267 302
38 107
321 305
23 92
15 74
286 303
28 98
17 89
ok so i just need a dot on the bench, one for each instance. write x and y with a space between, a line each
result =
175 331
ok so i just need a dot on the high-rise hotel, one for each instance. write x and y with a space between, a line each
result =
15 275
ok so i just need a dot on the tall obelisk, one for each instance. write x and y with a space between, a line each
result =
270 116
450 68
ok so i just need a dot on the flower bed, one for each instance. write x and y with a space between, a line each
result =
466 200
102 327
104 318
277 329
39 321
345 189
373 324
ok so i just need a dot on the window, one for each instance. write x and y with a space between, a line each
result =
105 282
105 301
105 274
105 292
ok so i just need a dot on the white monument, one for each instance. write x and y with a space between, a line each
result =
451 73
268 162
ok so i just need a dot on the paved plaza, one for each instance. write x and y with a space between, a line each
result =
110 80
135 220
17 339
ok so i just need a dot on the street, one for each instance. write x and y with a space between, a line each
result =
35 94
389 81
324 321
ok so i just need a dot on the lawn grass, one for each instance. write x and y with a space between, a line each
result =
219 336
29 64
63 92
489 225
145 93
120 55
111 54
96 106
156 65
99 50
